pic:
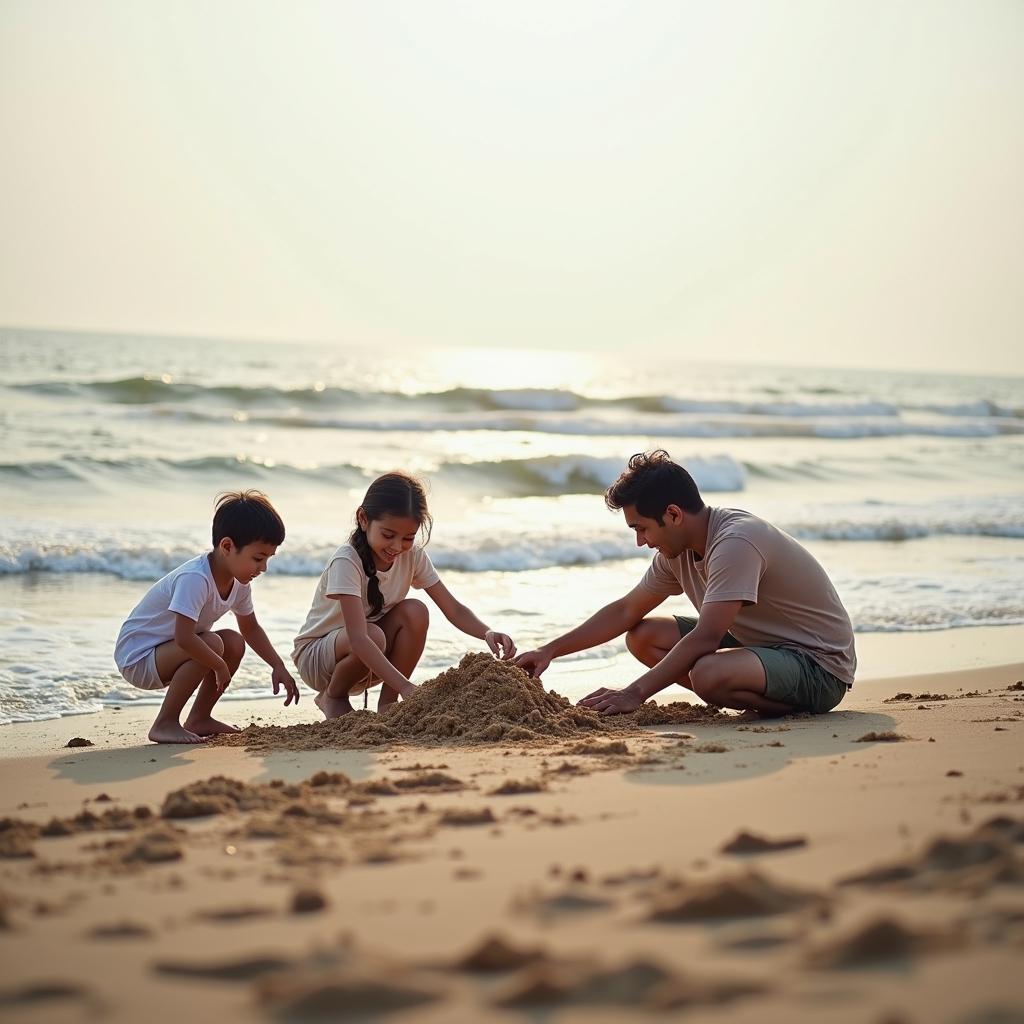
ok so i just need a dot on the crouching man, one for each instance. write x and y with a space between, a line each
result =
771 636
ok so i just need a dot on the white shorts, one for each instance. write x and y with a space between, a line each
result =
316 662
144 674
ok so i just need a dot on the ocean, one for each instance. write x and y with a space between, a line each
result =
907 487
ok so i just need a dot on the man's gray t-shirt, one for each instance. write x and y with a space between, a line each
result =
788 600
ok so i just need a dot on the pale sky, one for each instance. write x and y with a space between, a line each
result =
809 182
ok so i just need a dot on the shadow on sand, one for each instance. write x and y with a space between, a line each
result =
751 749
189 763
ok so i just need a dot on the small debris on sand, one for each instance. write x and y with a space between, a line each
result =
494 954
749 842
17 838
232 915
745 895
974 862
41 992
641 983
459 817
340 994
514 787
881 737
437 782
880 941
79 741
158 845
596 747
308 901
246 969
120 930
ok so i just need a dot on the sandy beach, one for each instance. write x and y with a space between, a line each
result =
864 865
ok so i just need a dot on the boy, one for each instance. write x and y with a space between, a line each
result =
771 637
167 640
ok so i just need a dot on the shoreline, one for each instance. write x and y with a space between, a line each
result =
883 658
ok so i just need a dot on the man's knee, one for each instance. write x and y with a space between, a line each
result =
706 677
642 640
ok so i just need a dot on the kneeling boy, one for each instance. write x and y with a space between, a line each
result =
167 640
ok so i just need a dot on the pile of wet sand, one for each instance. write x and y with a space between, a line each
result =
481 700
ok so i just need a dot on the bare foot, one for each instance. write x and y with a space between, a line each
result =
173 733
332 707
208 726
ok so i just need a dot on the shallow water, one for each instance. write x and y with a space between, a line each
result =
907 487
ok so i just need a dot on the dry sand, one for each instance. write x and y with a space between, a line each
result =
488 852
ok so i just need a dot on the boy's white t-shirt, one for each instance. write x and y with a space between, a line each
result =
345 575
189 590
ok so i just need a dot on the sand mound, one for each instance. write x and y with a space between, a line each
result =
882 940
481 700
245 969
340 994
16 838
494 954
749 842
746 895
881 737
219 795
983 858
641 983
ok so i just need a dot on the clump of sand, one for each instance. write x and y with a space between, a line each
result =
881 737
553 982
481 700
746 895
974 862
751 842
494 954
882 940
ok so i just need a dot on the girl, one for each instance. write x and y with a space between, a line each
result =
362 627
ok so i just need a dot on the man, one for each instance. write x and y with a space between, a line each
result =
771 637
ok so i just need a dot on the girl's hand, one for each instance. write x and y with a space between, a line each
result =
500 644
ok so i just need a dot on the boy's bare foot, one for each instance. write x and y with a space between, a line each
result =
332 707
174 733
208 726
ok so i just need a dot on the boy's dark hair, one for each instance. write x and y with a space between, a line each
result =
393 494
246 517
652 483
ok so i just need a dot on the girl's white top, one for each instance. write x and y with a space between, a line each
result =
345 575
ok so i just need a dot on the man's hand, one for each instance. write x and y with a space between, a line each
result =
281 677
611 702
533 663
500 644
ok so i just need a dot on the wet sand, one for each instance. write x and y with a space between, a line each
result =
804 869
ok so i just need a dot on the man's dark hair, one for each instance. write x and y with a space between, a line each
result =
246 517
652 483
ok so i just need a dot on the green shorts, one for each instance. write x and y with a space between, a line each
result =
792 676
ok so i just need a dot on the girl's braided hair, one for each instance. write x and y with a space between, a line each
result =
393 494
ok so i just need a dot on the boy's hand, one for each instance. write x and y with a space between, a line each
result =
281 677
500 644
533 663
611 702
221 676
